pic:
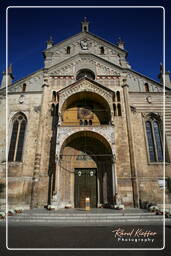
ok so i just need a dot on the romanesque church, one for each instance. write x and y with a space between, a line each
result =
85 125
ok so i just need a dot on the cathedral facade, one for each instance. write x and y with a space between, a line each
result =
85 125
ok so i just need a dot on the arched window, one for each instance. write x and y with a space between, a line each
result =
113 96
85 73
24 87
118 96
101 50
81 122
68 50
155 148
119 110
146 87
53 96
114 109
90 122
17 138
85 122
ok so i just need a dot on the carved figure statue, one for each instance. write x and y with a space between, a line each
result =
84 44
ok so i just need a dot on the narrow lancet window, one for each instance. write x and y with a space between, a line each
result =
118 96
17 138
68 50
119 110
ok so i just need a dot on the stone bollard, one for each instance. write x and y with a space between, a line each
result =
87 203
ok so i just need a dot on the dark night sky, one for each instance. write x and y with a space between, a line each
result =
141 29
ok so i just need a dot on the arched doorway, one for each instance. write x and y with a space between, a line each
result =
86 170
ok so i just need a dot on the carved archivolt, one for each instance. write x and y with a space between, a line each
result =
83 87
152 115
107 132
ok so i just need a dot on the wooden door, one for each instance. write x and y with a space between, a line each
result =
85 186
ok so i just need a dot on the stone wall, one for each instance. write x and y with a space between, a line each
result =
149 173
20 173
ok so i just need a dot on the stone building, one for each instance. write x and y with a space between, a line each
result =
85 125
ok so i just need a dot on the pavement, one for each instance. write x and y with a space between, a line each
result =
130 238
81 240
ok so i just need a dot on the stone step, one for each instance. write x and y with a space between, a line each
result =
81 218
82 221
84 218
83 214
85 221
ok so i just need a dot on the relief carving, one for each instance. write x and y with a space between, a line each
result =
64 132
21 99
88 60
149 99
84 44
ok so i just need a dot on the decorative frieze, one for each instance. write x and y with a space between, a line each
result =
106 131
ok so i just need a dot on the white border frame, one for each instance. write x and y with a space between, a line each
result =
76 7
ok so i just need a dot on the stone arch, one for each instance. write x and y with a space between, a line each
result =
153 116
86 86
106 132
92 134
97 107
85 73
85 63
11 118
14 114
97 157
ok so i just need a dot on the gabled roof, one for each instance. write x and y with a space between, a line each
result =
88 54
110 63
87 34
85 79
84 54
22 79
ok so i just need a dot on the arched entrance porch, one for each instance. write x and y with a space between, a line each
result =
85 168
